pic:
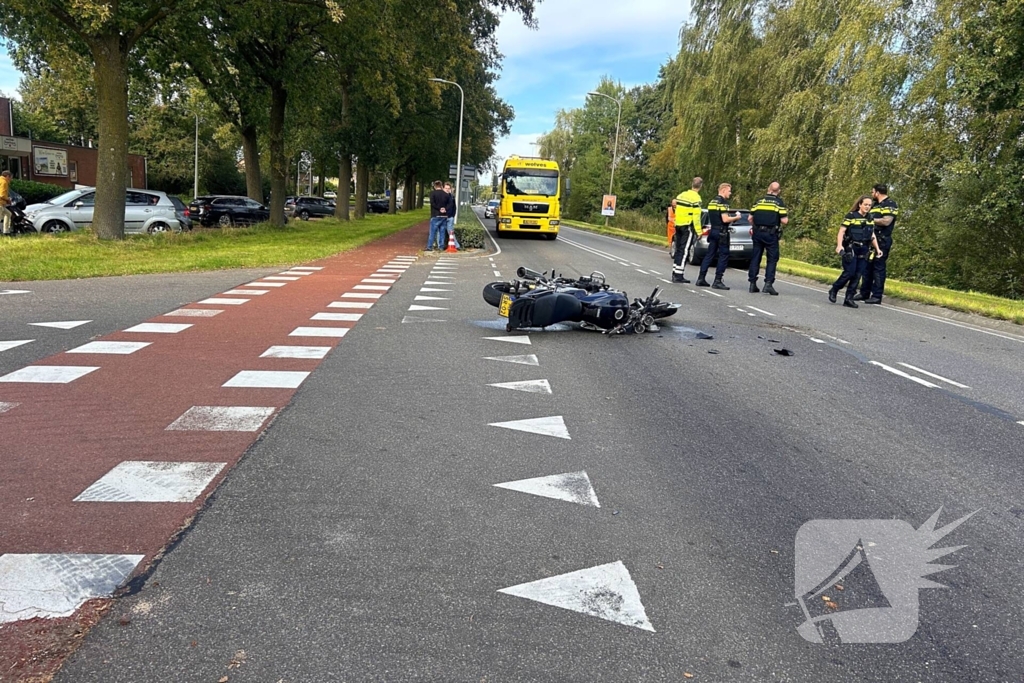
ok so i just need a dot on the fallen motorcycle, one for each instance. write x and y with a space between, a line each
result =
537 300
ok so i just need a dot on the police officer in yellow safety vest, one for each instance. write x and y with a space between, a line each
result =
768 217
687 228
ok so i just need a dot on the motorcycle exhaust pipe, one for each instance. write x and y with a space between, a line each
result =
528 274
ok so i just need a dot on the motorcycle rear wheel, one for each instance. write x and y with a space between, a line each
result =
493 292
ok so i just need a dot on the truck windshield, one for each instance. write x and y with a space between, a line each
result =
531 181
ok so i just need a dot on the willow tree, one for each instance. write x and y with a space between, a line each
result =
106 32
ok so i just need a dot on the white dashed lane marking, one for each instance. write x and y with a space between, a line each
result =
338 317
303 352
222 419
193 313
218 301
267 379
333 332
360 295
350 304
246 292
48 374
111 347
159 328
761 311
934 376
266 284
152 482
904 375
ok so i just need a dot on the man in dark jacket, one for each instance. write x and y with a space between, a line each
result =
449 226
438 213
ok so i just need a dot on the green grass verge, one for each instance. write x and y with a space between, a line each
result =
965 302
80 254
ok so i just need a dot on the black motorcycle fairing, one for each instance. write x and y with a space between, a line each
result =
544 308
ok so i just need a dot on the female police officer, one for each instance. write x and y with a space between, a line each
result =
855 234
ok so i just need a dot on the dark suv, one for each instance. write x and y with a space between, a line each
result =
305 208
225 211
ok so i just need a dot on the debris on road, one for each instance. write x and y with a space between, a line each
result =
783 352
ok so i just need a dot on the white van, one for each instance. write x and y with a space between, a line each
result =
146 211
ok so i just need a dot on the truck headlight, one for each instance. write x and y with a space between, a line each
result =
554 224
506 220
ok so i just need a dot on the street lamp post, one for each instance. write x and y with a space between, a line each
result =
615 150
458 160
196 185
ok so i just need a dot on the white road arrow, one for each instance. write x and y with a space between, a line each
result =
521 360
518 339
545 426
533 386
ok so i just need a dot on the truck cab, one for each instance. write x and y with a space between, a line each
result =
529 197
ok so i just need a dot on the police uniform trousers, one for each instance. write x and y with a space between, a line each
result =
686 236
718 244
855 265
873 283
766 240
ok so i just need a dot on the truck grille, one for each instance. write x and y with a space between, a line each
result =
529 207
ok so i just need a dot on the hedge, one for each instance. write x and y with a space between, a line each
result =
35 193
470 236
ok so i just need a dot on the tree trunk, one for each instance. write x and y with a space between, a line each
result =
419 196
278 161
341 207
408 196
111 78
362 187
251 159
322 186
393 186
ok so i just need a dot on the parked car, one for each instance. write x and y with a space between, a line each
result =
330 195
377 205
741 244
182 213
305 208
491 210
145 211
226 210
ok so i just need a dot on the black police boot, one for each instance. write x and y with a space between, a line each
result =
873 300
849 303
678 277
768 289
859 297
753 288
701 282
718 284
832 295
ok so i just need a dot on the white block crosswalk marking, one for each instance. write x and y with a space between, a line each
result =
282 278
307 267
267 379
374 288
304 352
378 281
220 301
517 339
361 295
349 304
152 482
63 324
222 419
13 344
110 347
533 386
55 585
7 405
573 487
266 284
531 359
48 374
159 328
338 317
193 313
545 426
246 292
332 332
606 592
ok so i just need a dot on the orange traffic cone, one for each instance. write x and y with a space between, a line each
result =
451 242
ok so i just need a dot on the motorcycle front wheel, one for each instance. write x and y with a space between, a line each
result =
493 292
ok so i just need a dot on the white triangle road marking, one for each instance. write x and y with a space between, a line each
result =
416 307
433 289
521 360
432 298
545 426
5 345
574 487
517 339
533 386
417 319
435 283
64 324
606 592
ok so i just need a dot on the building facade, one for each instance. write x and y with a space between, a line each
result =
68 166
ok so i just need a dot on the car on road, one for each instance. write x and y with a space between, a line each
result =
741 244
378 205
147 211
305 208
491 210
227 210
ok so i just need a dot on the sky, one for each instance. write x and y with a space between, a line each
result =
551 68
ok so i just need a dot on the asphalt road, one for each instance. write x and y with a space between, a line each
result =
363 537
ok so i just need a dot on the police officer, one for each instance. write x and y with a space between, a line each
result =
884 214
768 217
687 228
718 237
855 234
